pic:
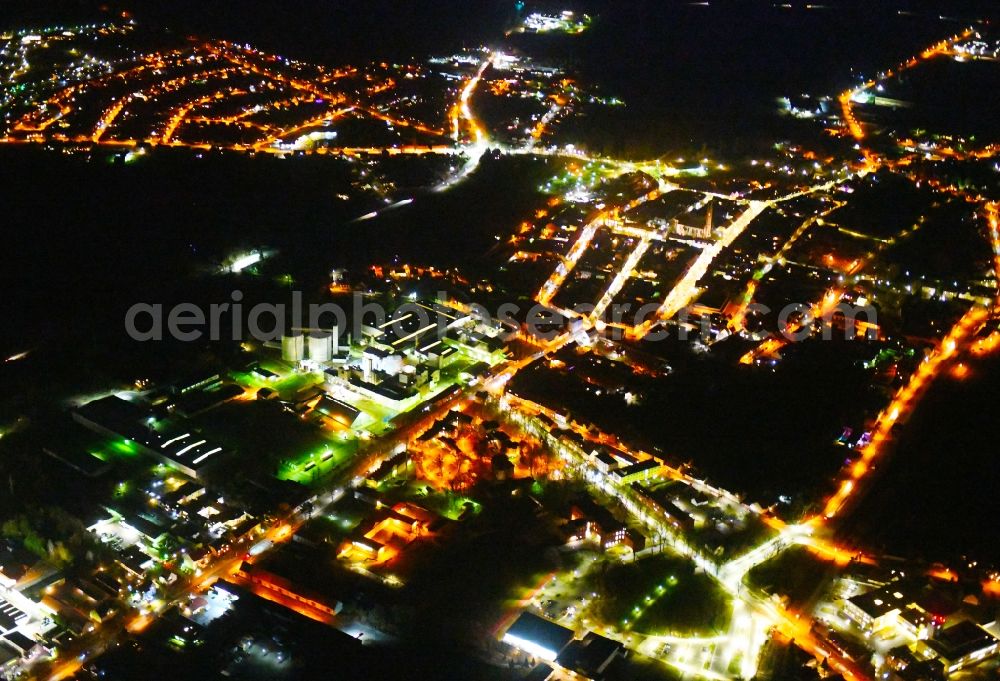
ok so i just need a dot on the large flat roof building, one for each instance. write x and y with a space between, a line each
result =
185 450
538 636
875 610
961 645
591 656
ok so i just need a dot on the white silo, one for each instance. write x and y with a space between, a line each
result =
320 347
293 347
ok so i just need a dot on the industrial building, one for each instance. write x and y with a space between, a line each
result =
170 442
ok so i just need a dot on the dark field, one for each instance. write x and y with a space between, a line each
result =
936 495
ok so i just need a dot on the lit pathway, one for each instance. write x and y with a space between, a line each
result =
902 405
